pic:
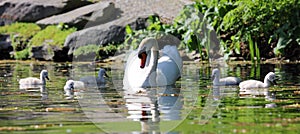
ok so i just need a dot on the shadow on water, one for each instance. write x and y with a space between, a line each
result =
192 106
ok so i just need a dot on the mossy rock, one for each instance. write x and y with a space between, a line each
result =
52 35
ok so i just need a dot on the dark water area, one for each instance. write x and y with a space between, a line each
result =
193 105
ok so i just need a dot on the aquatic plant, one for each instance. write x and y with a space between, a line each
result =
268 22
254 51
194 29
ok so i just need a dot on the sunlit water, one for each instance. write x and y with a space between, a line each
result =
193 105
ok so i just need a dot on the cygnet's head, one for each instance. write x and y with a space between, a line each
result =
44 74
102 73
69 87
271 77
215 73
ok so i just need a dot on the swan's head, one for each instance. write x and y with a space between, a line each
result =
44 74
146 46
271 77
102 73
69 87
215 73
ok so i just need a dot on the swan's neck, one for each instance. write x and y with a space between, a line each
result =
43 79
217 79
100 79
267 83
151 61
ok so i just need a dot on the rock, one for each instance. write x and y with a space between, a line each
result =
111 23
33 10
79 17
99 35
61 55
5 47
44 52
50 53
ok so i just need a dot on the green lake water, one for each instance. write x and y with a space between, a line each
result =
193 105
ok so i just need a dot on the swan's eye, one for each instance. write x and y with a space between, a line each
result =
141 55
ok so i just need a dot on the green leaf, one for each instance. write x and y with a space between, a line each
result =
257 53
251 48
128 30
237 47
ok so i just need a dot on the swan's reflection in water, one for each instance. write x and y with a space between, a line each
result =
154 105
36 88
44 92
262 92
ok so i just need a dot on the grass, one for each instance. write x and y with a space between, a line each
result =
23 54
25 30
52 35
85 50
100 52
26 35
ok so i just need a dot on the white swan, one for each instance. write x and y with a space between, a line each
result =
95 80
69 88
223 81
74 84
35 81
71 85
145 69
268 81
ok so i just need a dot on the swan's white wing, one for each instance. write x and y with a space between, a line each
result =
167 71
89 80
251 84
78 85
230 80
172 52
29 81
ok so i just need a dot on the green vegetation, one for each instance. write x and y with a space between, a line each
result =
26 35
52 35
194 31
267 22
97 51
154 29
23 54
251 29
20 34
86 50
24 30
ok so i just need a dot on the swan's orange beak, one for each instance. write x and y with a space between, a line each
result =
143 57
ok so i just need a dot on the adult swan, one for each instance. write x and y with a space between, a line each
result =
144 68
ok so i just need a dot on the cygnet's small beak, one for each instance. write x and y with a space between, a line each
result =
274 82
106 75
212 77
47 78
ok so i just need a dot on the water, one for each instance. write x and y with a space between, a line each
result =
193 105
